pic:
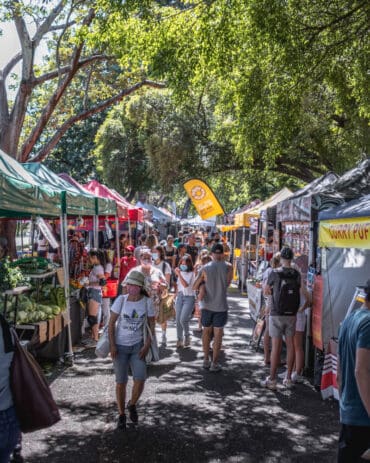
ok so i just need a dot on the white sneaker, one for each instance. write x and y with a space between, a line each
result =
206 364
215 367
282 375
269 383
288 383
296 378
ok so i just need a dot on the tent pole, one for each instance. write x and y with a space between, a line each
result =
96 231
243 256
118 251
65 257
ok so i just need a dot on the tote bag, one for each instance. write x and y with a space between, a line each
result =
32 397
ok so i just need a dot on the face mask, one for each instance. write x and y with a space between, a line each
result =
198 244
133 290
146 261
183 267
155 256
217 240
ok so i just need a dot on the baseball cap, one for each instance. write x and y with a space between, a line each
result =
286 253
217 249
130 248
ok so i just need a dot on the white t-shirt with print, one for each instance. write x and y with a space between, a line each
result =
189 277
130 323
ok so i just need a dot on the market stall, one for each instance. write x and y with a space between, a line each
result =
37 193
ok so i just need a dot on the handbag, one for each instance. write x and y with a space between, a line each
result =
32 397
103 345
166 308
153 352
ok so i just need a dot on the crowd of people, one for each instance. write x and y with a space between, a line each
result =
195 269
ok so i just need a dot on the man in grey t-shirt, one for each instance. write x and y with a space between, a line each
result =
216 276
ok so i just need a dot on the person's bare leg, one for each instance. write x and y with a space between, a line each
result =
93 310
137 390
121 397
289 355
206 340
275 356
217 342
299 353
266 344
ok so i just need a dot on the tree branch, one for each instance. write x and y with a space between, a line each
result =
63 70
61 26
16 58
47 24
50 145
55 97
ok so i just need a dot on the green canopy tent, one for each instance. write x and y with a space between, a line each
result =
22 195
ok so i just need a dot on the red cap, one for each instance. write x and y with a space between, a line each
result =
130 248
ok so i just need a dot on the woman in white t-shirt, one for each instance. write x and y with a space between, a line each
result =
185 299
158 256
127 348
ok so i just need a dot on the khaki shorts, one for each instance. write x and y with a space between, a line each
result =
282 325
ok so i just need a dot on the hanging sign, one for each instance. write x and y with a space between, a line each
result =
47 231
345 233
203 198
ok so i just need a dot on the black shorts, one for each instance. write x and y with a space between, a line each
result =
353 442
215 319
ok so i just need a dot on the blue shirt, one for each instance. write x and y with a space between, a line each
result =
354 334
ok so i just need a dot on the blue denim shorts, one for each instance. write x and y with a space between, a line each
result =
9 433
129 356
95 294
215 319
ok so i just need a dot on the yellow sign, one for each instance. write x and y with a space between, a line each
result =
345 233
203 198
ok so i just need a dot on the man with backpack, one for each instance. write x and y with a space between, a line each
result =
284 284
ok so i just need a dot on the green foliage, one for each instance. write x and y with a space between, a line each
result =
289 80
73 153
10 277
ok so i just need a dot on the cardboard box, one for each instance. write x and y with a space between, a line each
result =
58 324
42 331
51 329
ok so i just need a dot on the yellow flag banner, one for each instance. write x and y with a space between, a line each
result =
345 233
203 198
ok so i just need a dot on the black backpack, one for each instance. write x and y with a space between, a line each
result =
286 291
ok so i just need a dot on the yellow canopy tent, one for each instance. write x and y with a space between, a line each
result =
281 195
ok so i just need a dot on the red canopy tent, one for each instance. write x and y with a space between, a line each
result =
134 214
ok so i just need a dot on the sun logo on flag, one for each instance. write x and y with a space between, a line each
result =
198 193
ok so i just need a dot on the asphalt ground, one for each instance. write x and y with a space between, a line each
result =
188 414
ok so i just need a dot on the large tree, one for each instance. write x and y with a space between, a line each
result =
290 78
74 70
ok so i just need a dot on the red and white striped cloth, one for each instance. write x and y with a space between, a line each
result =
329 385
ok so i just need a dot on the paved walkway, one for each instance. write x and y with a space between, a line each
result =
188 414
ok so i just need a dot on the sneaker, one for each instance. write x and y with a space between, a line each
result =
187 342
296 378
269 383
206 364
215 367
288 383
164 339
132 412
282 375
179 344
121 423
89 343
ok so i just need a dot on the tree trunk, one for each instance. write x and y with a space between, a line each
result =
8 231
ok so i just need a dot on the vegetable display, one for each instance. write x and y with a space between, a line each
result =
51 303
